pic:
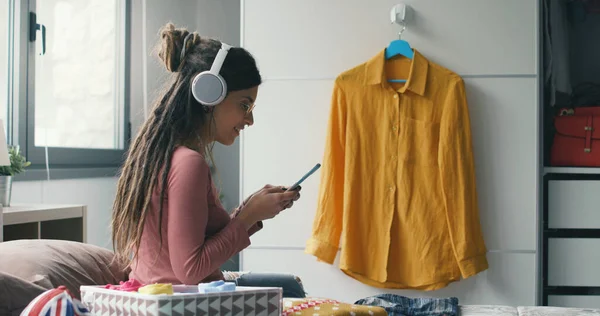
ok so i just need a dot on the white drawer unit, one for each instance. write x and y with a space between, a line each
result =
569 252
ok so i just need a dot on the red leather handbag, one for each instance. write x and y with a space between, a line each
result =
577 139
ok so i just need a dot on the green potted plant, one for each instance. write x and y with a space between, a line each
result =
18 163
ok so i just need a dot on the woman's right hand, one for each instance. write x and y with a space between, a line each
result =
266 204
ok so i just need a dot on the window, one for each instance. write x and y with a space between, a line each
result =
71 62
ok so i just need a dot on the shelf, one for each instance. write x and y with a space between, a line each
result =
571 233
25 213
572 290
567 170
42 221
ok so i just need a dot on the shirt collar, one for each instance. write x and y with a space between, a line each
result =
417 76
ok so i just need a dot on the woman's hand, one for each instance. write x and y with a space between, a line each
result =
267 203
291 203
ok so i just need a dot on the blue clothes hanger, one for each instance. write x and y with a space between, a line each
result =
399 47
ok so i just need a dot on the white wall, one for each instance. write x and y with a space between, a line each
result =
300 59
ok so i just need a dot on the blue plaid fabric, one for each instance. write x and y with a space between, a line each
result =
396 305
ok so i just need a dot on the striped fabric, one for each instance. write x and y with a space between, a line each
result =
56 302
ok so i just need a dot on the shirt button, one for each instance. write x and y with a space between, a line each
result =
394 157
395 128
391 188
395 96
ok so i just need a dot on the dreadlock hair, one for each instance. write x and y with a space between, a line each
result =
176 119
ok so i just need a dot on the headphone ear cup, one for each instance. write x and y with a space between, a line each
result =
209 89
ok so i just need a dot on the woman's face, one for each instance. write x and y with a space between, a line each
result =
233 115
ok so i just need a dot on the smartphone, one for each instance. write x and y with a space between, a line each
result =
295 185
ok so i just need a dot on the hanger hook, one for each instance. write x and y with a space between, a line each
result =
401 30
398 16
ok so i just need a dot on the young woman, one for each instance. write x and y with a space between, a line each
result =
168 224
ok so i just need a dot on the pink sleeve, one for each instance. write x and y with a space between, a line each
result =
193 257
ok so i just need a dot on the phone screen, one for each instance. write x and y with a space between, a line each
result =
295 185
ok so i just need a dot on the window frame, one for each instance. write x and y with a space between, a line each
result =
64 163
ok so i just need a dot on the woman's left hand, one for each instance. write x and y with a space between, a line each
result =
283 188
289 205
271 186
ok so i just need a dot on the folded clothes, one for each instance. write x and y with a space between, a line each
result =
398 305
157 288
216 286
131 285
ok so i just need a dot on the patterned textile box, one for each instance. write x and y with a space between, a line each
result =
251 301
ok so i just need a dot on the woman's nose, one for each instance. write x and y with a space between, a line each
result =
249 119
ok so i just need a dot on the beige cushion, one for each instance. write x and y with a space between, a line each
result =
16 294
51 263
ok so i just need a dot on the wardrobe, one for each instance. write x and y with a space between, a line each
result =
569 204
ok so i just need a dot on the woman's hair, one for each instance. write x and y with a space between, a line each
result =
176 119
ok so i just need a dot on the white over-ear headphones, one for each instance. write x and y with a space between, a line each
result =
208 87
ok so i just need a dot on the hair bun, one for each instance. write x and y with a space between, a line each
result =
172 45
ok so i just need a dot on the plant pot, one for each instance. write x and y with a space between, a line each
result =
5 190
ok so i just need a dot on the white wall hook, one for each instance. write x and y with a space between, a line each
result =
398 14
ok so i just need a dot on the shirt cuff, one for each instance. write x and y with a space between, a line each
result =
323 251
472 266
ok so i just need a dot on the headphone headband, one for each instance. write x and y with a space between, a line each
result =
219 59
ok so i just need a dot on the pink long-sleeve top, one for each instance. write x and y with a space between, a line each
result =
198 235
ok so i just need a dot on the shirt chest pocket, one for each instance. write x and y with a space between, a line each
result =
418 141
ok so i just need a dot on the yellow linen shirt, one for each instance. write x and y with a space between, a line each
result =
398 192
